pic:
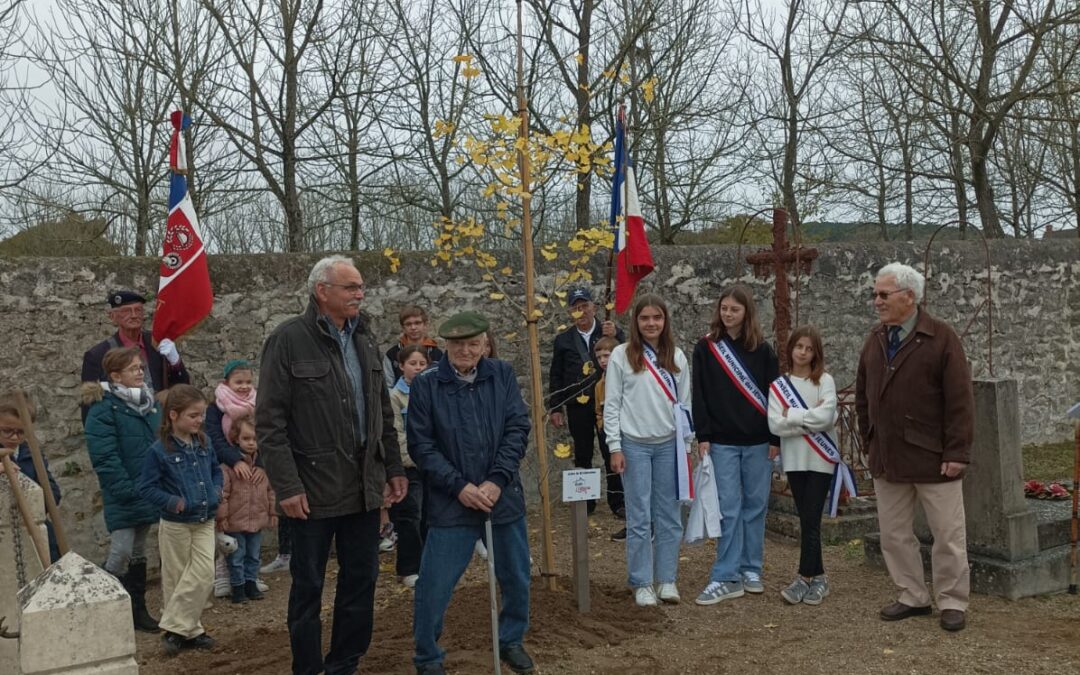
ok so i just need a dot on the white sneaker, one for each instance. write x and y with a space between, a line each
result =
276 565
261 585
388 543
669 593
410 581
752 582
645 597
480 549
222 589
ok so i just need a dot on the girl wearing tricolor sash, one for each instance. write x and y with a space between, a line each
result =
733 367
802 411
649 431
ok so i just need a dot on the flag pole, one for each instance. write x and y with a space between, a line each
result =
538 419
619 171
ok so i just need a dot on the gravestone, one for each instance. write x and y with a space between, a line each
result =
19 563
76 620
1013 549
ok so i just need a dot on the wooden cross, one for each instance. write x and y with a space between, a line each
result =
778 260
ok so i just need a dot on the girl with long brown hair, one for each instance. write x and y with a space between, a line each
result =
646 418
733 368
802 411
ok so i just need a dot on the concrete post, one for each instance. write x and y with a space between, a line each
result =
76 620
15 546
999 522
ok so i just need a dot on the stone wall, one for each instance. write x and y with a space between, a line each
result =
52 309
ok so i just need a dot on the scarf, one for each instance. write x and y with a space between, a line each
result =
403 386
140 400
233 405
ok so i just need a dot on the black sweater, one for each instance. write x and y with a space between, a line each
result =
721 413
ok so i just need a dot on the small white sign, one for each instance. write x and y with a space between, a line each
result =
580 484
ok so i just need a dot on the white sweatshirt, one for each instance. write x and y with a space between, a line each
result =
795 452
635 406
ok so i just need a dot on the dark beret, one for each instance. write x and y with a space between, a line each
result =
463 325
121 297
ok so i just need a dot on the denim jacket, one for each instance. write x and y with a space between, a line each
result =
189 471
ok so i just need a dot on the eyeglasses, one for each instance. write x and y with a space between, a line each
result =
351 289
884 295
12 433
129 310
134 368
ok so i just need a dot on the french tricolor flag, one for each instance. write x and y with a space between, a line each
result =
184 296
633 258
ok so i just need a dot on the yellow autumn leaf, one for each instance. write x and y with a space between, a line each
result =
609 306
587 368
648 89
548 255
497 296
583 399
462 58
562 450
536 313
887 651
580 58
506 271
487 277
576 314
771 625
510 336
561 327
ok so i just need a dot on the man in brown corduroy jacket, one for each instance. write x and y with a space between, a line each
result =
916 417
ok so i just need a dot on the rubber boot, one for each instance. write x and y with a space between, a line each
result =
135 583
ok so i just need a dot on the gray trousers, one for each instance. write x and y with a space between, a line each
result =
126 545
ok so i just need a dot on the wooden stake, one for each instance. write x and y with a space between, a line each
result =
579 540
40 543
51 506
538 418
1075 513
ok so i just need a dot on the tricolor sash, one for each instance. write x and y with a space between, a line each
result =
740 376
684 425
822 443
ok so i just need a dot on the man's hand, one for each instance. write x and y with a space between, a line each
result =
618 462
557 419
702 449
167 348
491 490
395 490
607 329
473 498
774 452
296 506
953 469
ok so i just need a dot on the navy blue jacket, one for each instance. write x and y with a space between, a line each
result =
190 472
228 454
93 371
460 433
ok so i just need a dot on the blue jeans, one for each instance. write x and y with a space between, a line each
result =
447 552
355 537
743 478
651 507
244 561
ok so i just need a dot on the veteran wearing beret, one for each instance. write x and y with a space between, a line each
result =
127 312
467 431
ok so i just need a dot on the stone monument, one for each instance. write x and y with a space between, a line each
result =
76 620
19 563
1014 550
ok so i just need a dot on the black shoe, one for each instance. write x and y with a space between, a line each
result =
239 596
619 536
515 657
172 643
620 513
431 669
202 641
251 590
898 611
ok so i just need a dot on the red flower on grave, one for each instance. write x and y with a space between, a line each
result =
1058 491
1034 488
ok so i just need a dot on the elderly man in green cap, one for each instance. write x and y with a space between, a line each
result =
468 428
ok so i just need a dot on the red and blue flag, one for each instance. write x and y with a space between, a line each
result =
184 296
633 257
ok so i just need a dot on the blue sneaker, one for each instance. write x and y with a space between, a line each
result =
751 581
